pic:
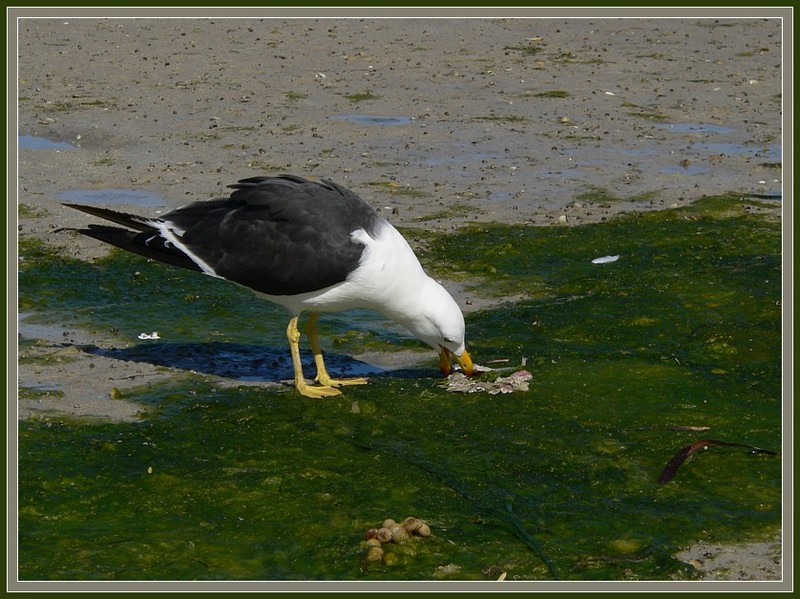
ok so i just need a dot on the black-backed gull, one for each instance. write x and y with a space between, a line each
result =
309 246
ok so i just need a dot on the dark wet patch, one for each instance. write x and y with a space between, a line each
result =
365 119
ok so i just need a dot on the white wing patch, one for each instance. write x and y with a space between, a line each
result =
173 237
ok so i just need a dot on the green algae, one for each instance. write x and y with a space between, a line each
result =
528 50
683 330
362 97
555 93
128 295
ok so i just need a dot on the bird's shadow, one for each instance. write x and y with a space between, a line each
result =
242 362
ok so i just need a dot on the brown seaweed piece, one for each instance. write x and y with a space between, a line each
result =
680 457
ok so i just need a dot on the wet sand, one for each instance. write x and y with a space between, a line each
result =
436 123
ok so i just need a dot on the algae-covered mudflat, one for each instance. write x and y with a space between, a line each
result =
676 341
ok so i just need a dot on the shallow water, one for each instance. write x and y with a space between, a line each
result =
103 197
683 330
695 128
34 142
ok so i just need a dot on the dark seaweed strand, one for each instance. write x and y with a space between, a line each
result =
680 457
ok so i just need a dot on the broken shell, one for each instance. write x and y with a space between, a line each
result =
384 535
446 570
374 554
424 530
370 534
388 523
411 523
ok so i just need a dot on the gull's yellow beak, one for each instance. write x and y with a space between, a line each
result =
446 356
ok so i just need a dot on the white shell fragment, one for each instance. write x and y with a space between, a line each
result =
153 335
605 259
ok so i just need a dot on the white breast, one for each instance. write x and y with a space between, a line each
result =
387 279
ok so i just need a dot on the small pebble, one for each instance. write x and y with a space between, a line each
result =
390 558
384 535
411 523
374 554
400 535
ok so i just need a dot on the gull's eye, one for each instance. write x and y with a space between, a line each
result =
448 340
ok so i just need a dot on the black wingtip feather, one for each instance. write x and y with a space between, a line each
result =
121 218
138 244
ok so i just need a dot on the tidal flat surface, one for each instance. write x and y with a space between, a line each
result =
676 341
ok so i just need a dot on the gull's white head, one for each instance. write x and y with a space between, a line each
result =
440 324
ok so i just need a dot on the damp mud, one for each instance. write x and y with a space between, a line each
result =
517 156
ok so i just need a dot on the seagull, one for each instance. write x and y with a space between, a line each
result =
310 246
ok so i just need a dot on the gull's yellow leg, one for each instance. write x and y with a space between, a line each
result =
299 380
323 378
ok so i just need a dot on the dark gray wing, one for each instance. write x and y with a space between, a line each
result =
277 235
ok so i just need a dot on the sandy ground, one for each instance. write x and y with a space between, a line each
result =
437 123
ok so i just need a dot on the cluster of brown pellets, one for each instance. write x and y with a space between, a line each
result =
392 532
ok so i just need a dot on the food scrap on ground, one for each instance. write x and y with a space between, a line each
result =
458 382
